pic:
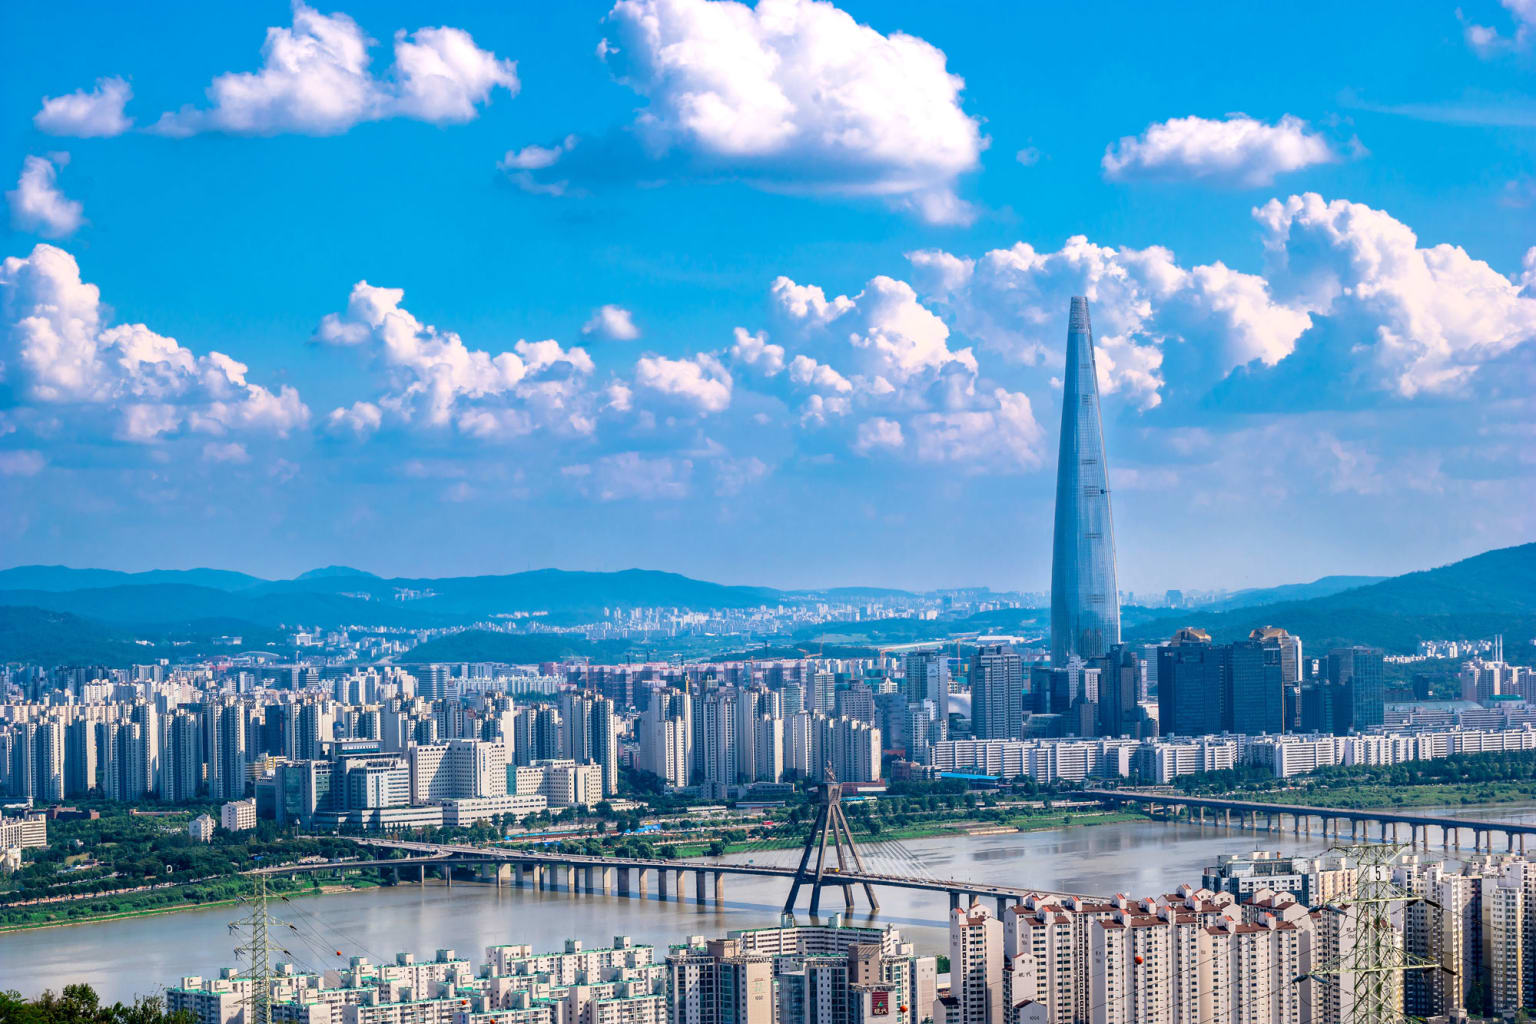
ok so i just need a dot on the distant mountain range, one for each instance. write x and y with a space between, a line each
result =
58 614
338 596
1494 592
1323 587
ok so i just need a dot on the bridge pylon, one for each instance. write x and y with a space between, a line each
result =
831 827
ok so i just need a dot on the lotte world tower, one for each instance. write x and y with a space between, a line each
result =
1085 603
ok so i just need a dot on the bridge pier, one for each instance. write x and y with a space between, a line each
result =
719 887
640 881
954 900
503 875
623 881
698 887
1509 842
1002 905
661 884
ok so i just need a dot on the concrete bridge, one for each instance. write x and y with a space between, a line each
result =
630 876
1331 821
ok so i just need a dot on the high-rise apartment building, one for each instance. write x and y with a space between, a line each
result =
976 965
997 693
1085 602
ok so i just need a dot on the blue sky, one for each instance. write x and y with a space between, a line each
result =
771 295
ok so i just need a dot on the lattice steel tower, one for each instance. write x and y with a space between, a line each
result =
1362 979
256 929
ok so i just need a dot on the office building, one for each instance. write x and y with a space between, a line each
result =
1085 600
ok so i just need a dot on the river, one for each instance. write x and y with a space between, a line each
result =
143 955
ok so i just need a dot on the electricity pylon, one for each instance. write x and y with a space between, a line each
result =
255 927
1365 974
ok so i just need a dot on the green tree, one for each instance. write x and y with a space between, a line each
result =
79 1004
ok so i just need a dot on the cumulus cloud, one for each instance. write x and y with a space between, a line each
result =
876 372
87 115
1488 41
1237 151
61 352
701 381
1408 319
1349 307
36 203
612 322
1147 310
315 80
791 95
877 433
435 381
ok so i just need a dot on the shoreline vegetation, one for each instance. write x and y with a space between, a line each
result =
197 895
166 872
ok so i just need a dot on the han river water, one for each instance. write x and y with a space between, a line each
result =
144 955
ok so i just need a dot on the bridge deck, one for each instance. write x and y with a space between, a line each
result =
1307 810
441 853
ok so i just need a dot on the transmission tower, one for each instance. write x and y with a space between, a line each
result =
831 826
1365 976
255 928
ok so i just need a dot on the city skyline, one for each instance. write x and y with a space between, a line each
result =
505 290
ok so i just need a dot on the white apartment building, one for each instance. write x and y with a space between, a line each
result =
238 815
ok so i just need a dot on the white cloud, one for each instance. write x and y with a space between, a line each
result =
315 80
701 381
436 381
1489 42
87 115
1237 151
612 322
60 352
630 475
359 420
1421 320
876 372
21 462
1003 431
1146 310
36 203
878 433
758 353
797 95
536 158
1028 156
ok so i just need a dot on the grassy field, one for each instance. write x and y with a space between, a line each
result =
1428 795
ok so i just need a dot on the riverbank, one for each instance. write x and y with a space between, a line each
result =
171 900
1378 797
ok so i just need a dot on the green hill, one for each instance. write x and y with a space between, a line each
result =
44 637
1494 592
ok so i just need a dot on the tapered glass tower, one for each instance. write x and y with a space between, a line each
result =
1085 605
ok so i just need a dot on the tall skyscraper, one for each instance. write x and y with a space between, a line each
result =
1085 604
